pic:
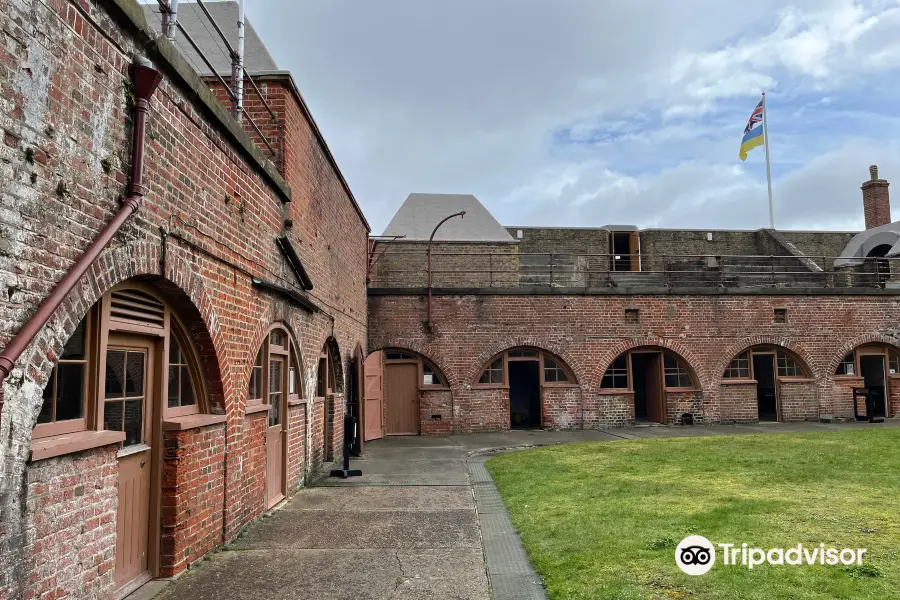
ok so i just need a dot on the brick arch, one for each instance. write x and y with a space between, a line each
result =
764 340
862 340
517 341
181 286
441 370
683 352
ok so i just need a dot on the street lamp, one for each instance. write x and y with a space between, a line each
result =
461 214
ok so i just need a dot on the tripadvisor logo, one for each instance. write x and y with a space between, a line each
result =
696 555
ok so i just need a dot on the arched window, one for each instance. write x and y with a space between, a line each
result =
99 380
552 370
850 365
429 375
276 370
787 365
675 372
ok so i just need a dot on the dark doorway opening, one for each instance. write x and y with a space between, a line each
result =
766 389
646 369
354 408
872 370
623 251
524 394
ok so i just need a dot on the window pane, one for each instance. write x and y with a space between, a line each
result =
893 363
275 382
255 387
112 415
46 415
134 374
74 348
277 338
523 353
174 386
739 368
292 380
134 421
398 356
115 373
275 410
846 366
320 379
187 388
787 366
70 391
616 376
174 351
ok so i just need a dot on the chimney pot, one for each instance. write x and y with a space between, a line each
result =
876 200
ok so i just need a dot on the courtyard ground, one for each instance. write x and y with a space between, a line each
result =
601 521
424 522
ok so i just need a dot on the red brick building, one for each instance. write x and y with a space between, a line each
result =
611 326
182 304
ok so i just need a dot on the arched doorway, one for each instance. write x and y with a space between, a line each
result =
873 372
769 369
329 384
651 375
525 372
128 370
276 382
406 376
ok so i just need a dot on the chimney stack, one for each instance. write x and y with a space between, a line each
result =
876 200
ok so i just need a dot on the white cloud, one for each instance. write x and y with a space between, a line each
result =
467 97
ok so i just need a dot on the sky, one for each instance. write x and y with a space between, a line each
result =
588 112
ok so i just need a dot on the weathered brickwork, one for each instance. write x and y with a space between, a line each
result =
66 116
436 408
193 487
588 332
71 513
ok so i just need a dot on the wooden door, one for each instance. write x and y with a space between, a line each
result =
401 397
128 406
634 249
373 428
656 405
275 465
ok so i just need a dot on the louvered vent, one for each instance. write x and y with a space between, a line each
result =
135 306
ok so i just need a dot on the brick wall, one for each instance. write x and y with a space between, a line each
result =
192 492
71 512
589 331
436 408
67 158
561 407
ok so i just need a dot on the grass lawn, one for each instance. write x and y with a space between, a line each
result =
602 520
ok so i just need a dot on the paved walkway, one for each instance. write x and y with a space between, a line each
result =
408 529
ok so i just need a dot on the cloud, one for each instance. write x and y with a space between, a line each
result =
599 112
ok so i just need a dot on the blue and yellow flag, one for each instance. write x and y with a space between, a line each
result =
753 132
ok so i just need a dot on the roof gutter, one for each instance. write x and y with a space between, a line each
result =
146 80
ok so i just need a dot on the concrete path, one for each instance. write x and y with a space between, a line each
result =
407 530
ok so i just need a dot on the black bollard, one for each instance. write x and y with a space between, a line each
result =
349 436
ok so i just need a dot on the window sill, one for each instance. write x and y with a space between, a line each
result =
738 381
853 378
490 386
558 384
433 388
256 408
796 380
296 401
192 422
70 443
681 390
615 391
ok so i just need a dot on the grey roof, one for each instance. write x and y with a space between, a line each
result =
863 243
420 213
193 19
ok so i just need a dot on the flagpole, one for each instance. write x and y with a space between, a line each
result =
768 165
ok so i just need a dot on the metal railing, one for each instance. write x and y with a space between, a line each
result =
407 269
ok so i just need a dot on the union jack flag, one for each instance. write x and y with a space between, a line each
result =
755 118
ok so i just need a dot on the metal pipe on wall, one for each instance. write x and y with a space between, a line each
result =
461 214
237 67
146 80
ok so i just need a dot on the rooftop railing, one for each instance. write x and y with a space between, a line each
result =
407 269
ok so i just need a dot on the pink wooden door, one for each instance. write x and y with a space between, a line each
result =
374 397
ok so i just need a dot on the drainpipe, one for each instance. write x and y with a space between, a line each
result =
461 214
146 80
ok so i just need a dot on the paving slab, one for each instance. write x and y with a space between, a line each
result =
316 529
381 498
338 575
